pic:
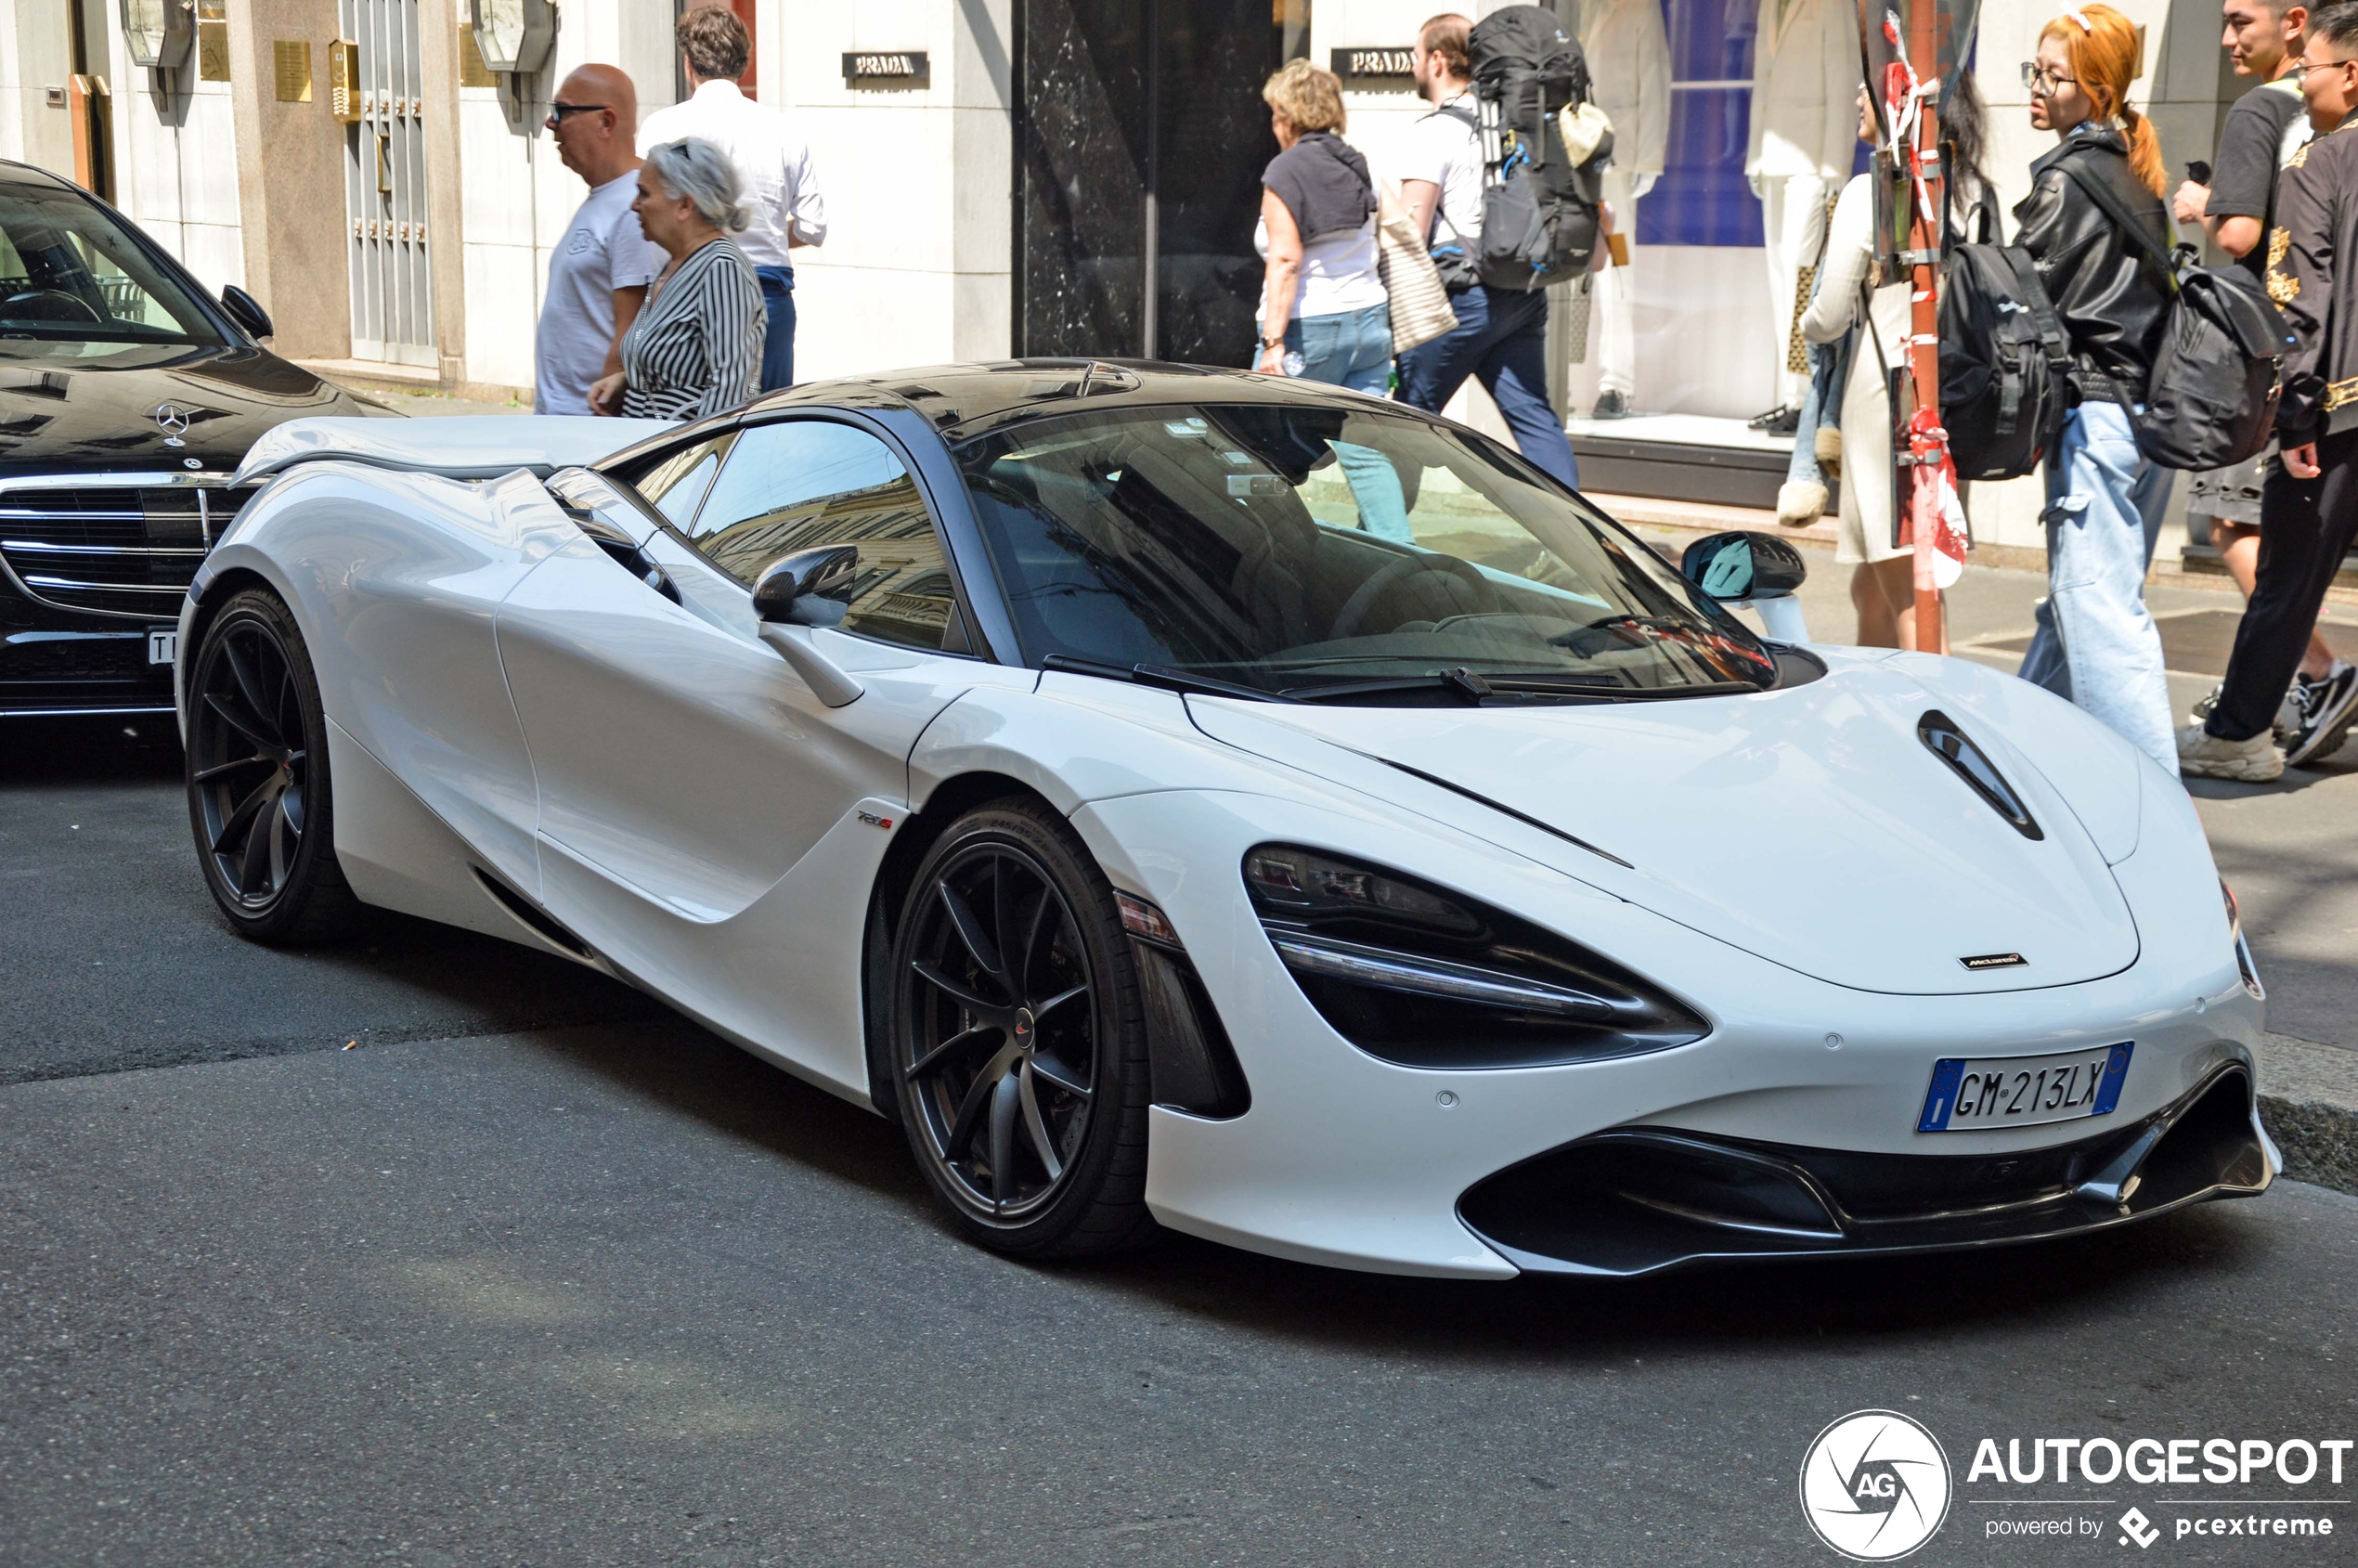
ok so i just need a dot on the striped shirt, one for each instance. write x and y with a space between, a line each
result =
696 348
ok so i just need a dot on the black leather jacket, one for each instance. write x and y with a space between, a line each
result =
2113 301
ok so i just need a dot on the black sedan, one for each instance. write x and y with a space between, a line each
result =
128 394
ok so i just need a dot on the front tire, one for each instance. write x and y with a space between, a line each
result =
259 796
1018 1038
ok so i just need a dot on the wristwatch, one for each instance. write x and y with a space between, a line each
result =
1277 342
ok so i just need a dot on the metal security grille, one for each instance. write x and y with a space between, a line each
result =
384 180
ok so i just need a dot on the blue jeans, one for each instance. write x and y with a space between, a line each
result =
2096 645
1501 339
1350 348
777 349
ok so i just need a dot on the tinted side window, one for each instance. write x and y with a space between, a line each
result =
678 481
798 486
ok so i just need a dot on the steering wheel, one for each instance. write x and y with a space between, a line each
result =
1393 573
50 305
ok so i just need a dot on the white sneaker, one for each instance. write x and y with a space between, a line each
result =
2204 756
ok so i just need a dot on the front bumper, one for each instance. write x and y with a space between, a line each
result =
1641 1200
1347 1160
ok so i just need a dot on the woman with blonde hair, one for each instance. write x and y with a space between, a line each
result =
1320 297
2096 644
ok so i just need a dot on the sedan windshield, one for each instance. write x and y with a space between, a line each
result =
1343 554
69 274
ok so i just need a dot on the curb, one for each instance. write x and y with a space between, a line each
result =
2308 1103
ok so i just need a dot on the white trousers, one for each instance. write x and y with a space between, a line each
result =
1792 221
1614 316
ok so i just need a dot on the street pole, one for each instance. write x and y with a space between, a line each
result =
1925 206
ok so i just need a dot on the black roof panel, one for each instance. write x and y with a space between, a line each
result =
960 400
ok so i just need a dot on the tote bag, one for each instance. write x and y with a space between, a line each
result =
1420 309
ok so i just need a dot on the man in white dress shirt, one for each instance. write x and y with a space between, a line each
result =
782 202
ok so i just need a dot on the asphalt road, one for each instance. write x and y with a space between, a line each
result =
536 1273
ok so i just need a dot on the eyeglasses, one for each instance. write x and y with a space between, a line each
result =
557 112
2322 65
2042 81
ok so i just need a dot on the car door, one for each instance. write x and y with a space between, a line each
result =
704 819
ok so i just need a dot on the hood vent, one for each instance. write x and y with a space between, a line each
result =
1945 739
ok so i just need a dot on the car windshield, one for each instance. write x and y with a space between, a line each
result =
1337 553
69 273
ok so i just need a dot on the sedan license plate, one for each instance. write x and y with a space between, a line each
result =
1971 1094
164 647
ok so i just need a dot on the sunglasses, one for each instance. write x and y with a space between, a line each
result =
557 112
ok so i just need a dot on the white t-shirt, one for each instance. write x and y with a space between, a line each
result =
1337 273
604 250
781 186
1445 150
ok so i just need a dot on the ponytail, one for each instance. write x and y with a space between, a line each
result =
2102 45
2144 150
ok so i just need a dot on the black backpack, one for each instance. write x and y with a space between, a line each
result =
2005 361
1539 213
2211 398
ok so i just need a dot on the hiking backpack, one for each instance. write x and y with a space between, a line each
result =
1539 211
2211 398
2005 361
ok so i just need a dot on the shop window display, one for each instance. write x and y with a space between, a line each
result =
1703 198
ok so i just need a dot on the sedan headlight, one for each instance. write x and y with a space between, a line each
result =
1425 977
2243 965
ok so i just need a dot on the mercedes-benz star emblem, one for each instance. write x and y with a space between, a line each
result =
173 419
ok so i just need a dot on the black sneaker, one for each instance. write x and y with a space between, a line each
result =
1782 420
1611 405
2327 707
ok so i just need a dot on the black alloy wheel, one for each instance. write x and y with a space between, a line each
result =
257 775
1018 1039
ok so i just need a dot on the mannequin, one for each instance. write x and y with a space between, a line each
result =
1804 88
1629 64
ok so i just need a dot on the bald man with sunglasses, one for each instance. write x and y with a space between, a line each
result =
598 273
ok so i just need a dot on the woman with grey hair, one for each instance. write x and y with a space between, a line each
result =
695 348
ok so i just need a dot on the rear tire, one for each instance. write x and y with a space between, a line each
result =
259 794
1018 1038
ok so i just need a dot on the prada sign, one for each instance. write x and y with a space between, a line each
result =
891 65
1379 64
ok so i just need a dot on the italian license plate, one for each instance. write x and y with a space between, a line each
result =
1971 1093
164 647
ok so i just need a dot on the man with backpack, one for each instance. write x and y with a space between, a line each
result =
2310 501
2236 208
1502 334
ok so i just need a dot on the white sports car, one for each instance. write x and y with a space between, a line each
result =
1189 797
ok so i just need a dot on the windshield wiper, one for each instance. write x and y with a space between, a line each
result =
1162 676
1476 688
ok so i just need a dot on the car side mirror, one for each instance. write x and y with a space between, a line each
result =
247 311
1743 564
812 587
1754 569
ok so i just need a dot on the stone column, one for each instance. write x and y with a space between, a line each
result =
290 199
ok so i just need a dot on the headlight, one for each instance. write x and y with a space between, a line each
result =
1424 978
2243 965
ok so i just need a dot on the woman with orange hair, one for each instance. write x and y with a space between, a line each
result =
2096 644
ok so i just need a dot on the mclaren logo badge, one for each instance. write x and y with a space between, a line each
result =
1996 961
173 419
